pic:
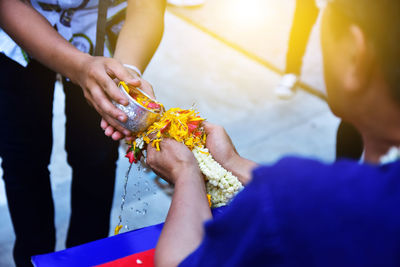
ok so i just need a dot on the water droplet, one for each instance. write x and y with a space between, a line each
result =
139 199
147 189
138 212
146 183
144 211
146 204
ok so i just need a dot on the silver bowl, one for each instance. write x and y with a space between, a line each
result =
139 117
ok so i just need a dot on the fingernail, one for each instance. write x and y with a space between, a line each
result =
126 132
121 118
123 102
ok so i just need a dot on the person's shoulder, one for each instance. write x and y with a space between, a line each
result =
298 180
301 170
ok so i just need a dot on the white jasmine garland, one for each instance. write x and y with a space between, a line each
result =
392 155
221 184
139 142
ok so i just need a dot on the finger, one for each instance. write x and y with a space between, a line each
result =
151 156
109 121
117 127
209 127
112 90
148 89
117 136
117 70
106 107
109 131
103 124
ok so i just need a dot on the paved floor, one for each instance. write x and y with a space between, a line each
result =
228 88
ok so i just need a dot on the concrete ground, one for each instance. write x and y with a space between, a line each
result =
208 58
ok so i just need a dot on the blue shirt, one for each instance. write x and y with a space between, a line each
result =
304 213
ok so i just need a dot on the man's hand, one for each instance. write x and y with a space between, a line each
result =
113 132
173 159
223 151
220 145
96 77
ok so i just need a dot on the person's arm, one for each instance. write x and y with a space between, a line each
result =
137 42
183 229
141 33
94 75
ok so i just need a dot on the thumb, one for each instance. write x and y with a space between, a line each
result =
208 127
123 74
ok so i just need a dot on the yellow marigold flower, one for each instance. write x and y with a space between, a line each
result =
209 199
117 229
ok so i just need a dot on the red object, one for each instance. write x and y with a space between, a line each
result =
131 156
163 129
142 259
192 125
153 105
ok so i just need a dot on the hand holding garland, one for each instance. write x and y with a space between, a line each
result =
224 152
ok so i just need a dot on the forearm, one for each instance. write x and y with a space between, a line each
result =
33 33
183 228
141 33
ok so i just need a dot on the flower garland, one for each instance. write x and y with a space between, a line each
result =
392 155
221 184
185 127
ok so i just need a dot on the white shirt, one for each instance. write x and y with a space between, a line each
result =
80 30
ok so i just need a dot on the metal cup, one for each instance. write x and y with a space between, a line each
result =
139 117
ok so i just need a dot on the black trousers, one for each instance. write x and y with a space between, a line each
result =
305 16
26 100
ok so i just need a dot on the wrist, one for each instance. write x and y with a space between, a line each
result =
133 70
241 168
187 175
76 66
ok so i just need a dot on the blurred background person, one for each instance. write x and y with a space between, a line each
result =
305 16
348 141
